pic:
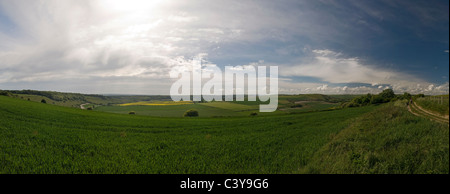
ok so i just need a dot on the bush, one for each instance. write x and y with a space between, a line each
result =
132 113
253 114
365 100
406 96
44 101
296 106
387 95
4 93
191 113
376 99
420 96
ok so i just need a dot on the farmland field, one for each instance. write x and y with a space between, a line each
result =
168 111
210 109
311 103
156 103
43 138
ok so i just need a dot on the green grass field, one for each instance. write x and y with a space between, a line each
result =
218 109
169 111
388 140
37 98
44 138
146 105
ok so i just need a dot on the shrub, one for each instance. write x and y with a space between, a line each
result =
191 113
89 108
296 106
407 96
387 95
420 96
4 93
132 113
365 100
376 99
43 101
253 114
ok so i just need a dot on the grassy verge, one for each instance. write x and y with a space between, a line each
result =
438 104
427 114
388 140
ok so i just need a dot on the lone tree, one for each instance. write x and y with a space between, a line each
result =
44 101
191 113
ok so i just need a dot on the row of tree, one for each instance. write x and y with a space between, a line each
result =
387 95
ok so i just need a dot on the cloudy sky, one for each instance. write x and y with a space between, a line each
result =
130 46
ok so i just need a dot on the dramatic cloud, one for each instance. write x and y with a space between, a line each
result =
334 68
130 46
113 38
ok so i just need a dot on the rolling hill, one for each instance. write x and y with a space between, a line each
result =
44 138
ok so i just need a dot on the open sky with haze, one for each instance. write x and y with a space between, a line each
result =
130 46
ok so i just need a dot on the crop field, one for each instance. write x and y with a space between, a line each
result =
210 109
37 98
42 138
45 138
231 106
220 109
169 111
156 103
311 106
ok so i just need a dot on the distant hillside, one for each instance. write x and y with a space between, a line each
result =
318 97
58 96
76 99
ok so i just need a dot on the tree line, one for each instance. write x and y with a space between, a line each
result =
385 96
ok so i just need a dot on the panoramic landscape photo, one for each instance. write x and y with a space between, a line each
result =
224 87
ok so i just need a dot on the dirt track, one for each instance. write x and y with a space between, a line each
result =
419 111
82 106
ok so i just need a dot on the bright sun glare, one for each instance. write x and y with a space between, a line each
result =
130 5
